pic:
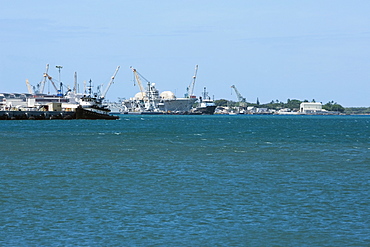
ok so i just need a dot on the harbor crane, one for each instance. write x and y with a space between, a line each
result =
42 84
46 75
75 84
39 88
29 87
190 89
242 101
138 80
102 96
147 97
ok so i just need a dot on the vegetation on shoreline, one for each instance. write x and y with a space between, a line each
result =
357 110
294 104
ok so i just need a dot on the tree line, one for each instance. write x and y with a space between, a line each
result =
293 105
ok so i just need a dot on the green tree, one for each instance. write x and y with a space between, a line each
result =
357 110
293 104
222 102
333 106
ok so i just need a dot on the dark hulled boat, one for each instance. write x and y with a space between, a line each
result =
206 105
91 108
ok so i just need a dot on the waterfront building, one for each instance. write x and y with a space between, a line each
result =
310 107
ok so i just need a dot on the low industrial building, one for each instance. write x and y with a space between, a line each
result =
310 107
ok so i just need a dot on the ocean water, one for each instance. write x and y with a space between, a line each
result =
186 181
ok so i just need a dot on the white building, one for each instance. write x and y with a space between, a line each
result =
310 107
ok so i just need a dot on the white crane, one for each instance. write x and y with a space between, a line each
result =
39 88
190 89
75 84
148 95
29 87
242 101
109 84
42 84
138 80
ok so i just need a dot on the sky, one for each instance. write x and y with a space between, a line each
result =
271 50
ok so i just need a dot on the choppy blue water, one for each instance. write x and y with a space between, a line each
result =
186 181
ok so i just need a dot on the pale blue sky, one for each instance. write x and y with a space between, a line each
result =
305 49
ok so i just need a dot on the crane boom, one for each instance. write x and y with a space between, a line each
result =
238 95
29 87
42 84
192 84
52 82
138 80
110 83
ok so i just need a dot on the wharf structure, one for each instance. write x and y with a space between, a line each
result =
71 105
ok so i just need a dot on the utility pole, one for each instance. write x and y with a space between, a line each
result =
59 68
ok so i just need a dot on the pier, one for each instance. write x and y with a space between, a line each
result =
37 115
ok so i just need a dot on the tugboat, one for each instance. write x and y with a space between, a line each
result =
206 105
91 107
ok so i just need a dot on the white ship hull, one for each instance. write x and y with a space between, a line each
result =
178 105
